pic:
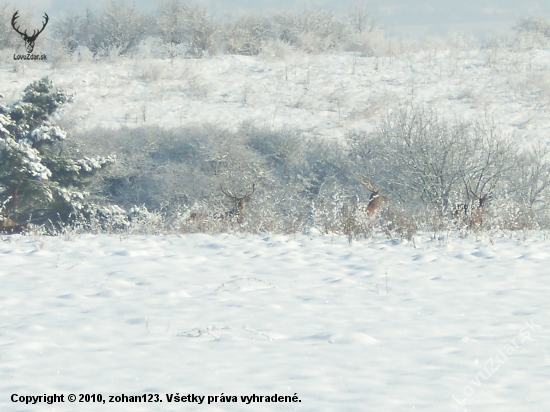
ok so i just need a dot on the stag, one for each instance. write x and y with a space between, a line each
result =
8 226
376 199
29 40
473 212
239 203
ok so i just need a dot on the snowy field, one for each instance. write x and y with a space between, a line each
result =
376 326
322 95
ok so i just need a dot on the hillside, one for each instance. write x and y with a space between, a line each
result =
316 94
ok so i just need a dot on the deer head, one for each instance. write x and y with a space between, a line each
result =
29 40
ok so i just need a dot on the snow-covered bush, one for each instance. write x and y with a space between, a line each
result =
372 43
360 19
190 30
117 29
188 27
170 22
8 36
313 31
71 31
247 34
164 170
528 182
424 164
38 183
420 159
534 25
529 33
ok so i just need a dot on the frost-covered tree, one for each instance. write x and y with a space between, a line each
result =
170 25
186 25
70 31
314 31
247 34
170 16
8 36
38 182
429 160
534 25
360 19
119 28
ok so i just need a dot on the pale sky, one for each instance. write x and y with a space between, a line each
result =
405 17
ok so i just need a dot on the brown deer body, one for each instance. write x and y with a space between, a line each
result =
8 226
476 215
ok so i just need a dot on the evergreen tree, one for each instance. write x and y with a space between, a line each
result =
38 183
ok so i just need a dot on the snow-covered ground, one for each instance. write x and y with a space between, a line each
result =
376 326
319 94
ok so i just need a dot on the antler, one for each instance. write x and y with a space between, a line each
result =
253 189
368 185
227 193
232 196
475 195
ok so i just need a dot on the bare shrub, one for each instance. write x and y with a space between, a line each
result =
425 164
397 221
276 49
360 19
533 24
70 32
187 25
422 159
313 31
530 179
117 29
171 22
8 37
530 33
151 72
247 34
373 43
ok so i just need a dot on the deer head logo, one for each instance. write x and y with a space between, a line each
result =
29 40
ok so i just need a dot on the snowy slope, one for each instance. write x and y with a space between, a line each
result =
375 326
320 94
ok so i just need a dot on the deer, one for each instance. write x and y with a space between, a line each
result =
238 210
473 212
8 225
239 204
376 199
29 40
